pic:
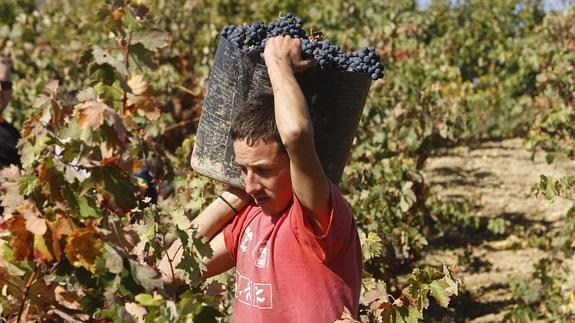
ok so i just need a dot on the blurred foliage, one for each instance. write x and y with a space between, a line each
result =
107 89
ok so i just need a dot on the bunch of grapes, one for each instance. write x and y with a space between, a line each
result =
287 25
246 38
329 57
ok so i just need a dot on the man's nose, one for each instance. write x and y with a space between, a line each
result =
252 183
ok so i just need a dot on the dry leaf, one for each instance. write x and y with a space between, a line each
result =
83 246
36 225
138 84
92 114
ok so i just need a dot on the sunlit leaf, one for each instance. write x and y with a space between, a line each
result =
151 39
22 239
83 246
103 57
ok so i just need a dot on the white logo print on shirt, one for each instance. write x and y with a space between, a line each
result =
254 294
262 254
248 236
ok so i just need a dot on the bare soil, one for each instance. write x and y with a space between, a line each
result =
497 179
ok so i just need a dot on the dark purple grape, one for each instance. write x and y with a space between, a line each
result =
328 56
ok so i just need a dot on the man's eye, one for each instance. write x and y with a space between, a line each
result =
264 171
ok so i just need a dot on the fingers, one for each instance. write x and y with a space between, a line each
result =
287 48
303 65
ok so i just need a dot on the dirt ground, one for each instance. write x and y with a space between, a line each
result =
497 178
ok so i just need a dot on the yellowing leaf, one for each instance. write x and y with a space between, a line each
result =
36 225
83 246
138 84
92 114
10 187
59 227
41 252
22 239
52 87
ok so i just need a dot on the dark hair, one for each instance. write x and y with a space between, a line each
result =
255 120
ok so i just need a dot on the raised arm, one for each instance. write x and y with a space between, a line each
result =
283 58
209 222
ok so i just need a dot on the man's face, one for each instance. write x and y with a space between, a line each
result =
266 173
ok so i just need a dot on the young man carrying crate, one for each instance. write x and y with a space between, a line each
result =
292 238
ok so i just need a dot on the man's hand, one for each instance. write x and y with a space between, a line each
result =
286 51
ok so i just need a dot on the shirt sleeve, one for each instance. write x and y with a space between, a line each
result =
233 231
340 233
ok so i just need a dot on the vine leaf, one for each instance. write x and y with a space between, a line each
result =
151 39
36 225
439 291
114 261
145 276
41 252
83 246
92 114
103 57
11 197
22 239
138 84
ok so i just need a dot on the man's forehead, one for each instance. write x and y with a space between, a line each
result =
256 153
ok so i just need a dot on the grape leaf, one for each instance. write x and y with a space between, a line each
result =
83 246
11 197
151 39
87 207
41 252
370 245
145 276
138 84
35 224
92 114
114 261
103 57
130 21
438 290
22 239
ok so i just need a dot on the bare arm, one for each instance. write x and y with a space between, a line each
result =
209 222
283 58
221 260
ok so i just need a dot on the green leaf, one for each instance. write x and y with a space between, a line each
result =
141 55
27 184
181 220
88 207
114 262
151 39
121 189
413 315
438 291
148 300
371 245
130 21
145 276
103 57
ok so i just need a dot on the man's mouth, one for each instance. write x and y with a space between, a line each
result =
261 200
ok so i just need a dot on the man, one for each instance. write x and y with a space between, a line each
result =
293 241
8 134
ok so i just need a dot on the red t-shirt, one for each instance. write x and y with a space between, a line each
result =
285 273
